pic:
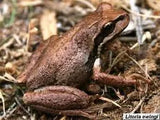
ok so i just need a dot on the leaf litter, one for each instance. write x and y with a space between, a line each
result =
24 23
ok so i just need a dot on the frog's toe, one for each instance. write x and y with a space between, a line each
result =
140 77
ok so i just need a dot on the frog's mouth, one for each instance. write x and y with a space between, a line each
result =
110 30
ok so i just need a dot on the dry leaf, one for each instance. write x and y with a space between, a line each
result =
48 24
32 31
115 3
30 2
155 4
3 102
10 68
69 2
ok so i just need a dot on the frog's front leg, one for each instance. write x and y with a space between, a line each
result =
62 100
117 81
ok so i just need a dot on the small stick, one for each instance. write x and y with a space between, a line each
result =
139 14
111 101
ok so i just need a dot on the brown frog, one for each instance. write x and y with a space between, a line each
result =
62 64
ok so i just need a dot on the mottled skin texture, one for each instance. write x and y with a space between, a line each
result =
68 60
59 96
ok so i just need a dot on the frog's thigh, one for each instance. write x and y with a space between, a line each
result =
53 98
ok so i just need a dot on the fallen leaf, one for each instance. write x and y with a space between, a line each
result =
48 24
154 4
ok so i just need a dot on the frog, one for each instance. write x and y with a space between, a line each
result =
61 66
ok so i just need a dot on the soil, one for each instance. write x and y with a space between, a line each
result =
24 24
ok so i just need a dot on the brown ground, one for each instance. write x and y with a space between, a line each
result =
24 24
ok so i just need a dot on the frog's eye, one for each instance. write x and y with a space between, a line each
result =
108 28
111 25
122 17
108 24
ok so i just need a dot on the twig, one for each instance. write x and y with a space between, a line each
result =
141 101
111 101
10 77
137 21
116 60
8 43
87 3
30 3
145 36
139 104
138 14
16 37
20 105
3 103
147 75
10 111
3 78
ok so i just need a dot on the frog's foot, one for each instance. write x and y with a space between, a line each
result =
74 112
62 100
136 76
117 81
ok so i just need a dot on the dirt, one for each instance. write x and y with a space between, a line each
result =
19 37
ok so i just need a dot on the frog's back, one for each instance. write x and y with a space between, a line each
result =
65 60
62 63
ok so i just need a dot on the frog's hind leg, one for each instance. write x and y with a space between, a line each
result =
62 100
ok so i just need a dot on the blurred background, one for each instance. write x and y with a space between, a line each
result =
25 23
